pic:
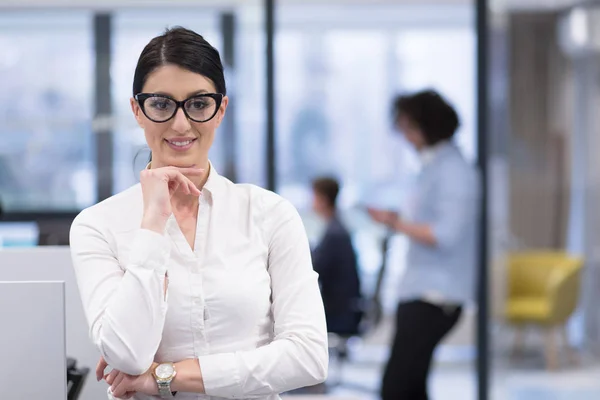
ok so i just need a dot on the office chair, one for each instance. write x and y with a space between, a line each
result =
75 379
371 315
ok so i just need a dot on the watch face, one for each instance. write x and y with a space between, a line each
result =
164 371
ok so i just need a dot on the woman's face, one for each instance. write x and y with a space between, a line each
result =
161 137
411 132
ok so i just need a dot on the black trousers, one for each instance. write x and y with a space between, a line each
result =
420 327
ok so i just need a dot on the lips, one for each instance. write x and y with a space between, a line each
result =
180 142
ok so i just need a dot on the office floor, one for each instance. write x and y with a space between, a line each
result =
521 379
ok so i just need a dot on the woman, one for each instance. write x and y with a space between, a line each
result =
190 283
441 225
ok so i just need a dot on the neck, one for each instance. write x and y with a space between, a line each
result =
422 148
328 215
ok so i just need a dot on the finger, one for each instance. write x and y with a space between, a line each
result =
100 367
190 187
111 377
183 183
191 171
174 185
193 189
117 381
122 387
173 171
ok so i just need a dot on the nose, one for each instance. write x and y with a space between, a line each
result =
180 122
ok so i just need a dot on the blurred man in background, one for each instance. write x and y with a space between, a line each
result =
335 261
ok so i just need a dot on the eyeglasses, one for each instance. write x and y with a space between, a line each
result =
161 108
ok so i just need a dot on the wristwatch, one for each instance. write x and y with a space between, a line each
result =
164 374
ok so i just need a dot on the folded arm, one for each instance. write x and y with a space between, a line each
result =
297 356
125 305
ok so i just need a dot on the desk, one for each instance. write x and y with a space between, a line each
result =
32 340
54 264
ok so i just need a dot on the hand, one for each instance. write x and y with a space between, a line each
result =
389 218
158 186
124 386
100 367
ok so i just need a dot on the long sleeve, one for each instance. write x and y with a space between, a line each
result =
323 255
455 205
297 356
124 304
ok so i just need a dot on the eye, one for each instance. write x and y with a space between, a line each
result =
159 104
197 104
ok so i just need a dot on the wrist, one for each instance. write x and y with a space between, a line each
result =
398 225
155 224
189 377
146 383
163 376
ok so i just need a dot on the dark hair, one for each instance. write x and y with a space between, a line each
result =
328 187
184 48
434 116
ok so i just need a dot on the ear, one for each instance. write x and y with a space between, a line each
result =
137 112
222 108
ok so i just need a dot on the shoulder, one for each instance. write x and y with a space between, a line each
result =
262 201
337 229
122 211
454 167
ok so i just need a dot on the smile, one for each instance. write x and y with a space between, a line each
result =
180 144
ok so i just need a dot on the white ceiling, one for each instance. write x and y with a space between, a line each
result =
496 5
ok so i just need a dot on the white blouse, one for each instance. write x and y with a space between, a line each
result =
245 301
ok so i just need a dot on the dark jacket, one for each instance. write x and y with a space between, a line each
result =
334 260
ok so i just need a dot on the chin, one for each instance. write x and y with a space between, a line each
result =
182 160
184 164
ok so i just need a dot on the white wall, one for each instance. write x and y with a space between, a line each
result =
54 264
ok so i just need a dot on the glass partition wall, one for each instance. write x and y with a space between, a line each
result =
338 67
543 184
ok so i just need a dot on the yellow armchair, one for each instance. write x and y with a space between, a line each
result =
543 289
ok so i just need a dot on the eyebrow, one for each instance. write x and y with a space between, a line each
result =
192 94
197 92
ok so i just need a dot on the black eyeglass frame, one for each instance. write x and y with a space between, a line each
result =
142 97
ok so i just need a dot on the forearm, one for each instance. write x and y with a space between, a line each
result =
132 324
130 319
188 377
420 232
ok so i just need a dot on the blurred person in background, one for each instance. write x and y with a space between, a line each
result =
441 226
334 259
191 283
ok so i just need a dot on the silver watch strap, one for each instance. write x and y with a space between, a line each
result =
164 390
